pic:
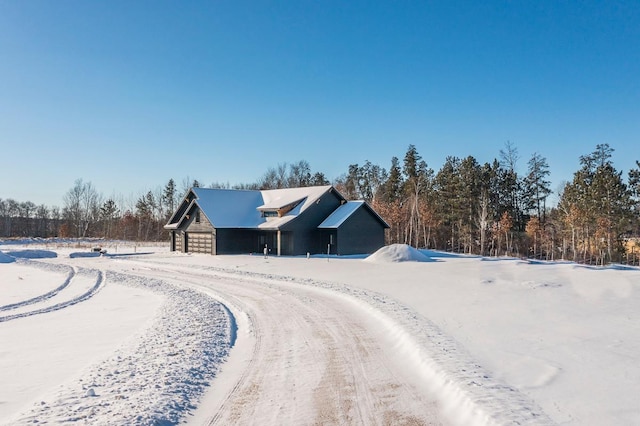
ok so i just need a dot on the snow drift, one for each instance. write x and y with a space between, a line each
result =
6 259
398 253
499 340
84 254
33 254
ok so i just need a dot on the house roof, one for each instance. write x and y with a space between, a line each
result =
342 213
230 208
278 198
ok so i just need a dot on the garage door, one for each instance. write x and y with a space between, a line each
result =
199 242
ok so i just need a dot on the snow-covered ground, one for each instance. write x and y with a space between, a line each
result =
144 336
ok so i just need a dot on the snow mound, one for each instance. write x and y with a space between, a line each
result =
33 254
397 253
6 259
84 254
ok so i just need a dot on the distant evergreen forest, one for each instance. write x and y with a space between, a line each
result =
464 207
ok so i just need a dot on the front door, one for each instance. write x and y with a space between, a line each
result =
270 239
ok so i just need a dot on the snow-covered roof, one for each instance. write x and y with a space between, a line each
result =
230 208
278 204
345 211
278 198
341 214
306 197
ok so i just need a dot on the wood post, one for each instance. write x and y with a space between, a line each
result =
279 242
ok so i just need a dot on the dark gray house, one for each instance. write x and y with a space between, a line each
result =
289 221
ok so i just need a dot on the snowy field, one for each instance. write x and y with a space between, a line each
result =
144 336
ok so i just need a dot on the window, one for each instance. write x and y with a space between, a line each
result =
198 216
269 213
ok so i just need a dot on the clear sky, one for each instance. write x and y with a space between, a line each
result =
127 94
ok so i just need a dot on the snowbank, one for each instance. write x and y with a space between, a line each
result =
33 254
155 377
397 253
6 259
502 340
84 254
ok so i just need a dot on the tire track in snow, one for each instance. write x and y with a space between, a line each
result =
469 393
216 418
316 360
65 304
157 376
231 304
42 297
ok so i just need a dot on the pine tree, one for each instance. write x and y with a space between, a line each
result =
390 202
634 181
599 203
418 181
352 182
470 194
613 207
511 186
108 213
319 179
448 201
372 177
486 210
536 186
169 197
391 190
634 187
145 208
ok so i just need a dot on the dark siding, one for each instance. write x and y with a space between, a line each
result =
236 241
328 236
244 241
286 243
270 239
361 233
305 236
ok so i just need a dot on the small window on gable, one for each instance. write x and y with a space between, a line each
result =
197 216
269 213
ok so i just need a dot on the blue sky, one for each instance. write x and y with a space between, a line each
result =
129 94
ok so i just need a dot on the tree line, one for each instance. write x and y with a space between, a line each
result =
464 206
491 209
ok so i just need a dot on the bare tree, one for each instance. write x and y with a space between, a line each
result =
42 217
187 184
299 174
82 206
